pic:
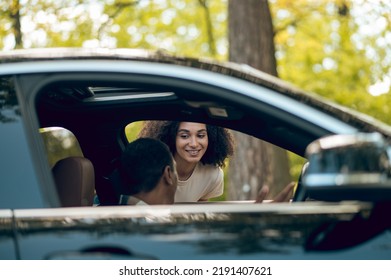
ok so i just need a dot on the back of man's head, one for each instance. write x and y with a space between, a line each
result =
143 163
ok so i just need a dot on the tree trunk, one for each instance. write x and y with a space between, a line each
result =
16 27
209 27
255 163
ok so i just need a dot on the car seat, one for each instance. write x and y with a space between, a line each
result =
75 181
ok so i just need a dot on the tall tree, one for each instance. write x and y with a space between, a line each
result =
14 13
256 163
338 50
10 22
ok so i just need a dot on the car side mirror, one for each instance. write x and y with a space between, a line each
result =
348 167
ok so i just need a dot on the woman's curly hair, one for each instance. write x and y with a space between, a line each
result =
220 140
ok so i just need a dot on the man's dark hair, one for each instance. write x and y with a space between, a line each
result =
142 164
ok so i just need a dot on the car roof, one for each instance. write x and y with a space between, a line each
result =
241 71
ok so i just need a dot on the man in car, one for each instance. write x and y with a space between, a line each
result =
148 174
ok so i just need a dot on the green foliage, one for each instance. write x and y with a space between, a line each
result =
176 26
132 130
321 47
59 143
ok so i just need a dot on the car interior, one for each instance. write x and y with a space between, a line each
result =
96 111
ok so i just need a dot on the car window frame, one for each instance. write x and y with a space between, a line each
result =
36 77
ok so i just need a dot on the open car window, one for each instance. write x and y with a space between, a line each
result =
105 112
235 164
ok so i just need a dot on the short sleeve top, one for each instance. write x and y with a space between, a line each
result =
206 181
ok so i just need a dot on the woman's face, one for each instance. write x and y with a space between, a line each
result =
191 142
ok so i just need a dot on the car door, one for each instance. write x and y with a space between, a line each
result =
189 232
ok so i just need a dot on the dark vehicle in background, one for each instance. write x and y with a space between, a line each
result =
67 107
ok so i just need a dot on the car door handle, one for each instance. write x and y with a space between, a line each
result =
99 252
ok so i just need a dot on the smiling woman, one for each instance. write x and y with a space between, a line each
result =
200 151
191 145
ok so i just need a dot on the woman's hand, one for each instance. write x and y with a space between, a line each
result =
284 196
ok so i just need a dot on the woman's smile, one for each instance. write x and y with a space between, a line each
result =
191 142
193 152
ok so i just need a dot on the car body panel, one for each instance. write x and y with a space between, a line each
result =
215 231
197 76
17 166
8 244
240 71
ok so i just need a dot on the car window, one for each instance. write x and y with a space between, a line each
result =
296 162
